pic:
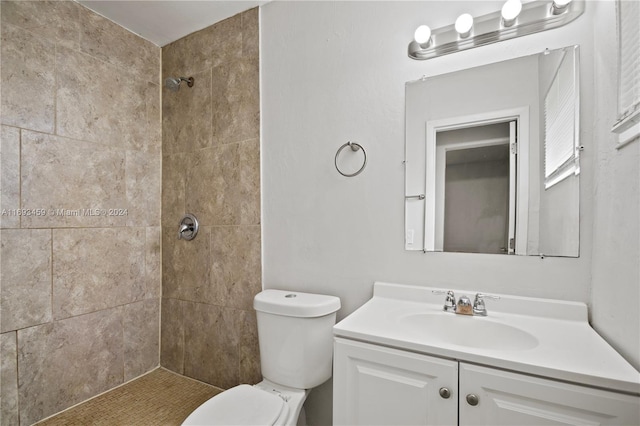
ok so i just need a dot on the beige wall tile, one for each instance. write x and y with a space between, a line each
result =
141 322
236 103
153 94
60 173
65 362
144 187
99 102
251 33
249 160
27 79
186 116
147 134
249 349
8 380
204 49
153 265
188 55
25 294
172 335
106 40
174 172
212 334
9 176
95 268
52 20
226 36
185 265
86 94
213 186
235 266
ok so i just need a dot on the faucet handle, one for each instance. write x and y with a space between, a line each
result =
449 301
478 303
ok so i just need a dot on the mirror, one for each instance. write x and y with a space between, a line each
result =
492 158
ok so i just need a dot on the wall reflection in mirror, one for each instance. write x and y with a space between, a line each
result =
492 158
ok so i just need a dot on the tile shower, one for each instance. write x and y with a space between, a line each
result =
211 168
86 125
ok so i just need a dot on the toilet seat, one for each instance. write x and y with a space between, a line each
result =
240 405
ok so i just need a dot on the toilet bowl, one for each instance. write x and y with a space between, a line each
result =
262 404
296 352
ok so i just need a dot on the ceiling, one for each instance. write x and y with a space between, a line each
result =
164 21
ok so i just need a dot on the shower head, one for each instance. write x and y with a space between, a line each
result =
173 83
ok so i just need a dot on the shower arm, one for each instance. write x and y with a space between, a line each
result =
189 80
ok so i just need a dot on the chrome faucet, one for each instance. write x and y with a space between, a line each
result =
463 305
478 303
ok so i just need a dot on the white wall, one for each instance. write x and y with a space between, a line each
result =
335 71
616 202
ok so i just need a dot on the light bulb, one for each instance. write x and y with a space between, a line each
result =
559 6
422 35
510 11
464 23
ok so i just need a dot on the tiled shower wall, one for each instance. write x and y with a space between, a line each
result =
81 129
211 168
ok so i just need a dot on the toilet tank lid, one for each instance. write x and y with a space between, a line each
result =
295 303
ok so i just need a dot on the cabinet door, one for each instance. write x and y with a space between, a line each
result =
506 398
375 385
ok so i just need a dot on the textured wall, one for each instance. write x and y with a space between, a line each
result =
211 168
80 130
616 248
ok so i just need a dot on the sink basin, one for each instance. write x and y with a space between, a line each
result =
540 337
470 331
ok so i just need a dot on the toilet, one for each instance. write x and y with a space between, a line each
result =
295 331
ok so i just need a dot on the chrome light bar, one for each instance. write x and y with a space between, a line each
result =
534 17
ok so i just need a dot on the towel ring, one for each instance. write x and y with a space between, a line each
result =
354 147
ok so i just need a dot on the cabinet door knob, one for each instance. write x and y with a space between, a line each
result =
445 393
472 399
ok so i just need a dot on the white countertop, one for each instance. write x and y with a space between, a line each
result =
567 347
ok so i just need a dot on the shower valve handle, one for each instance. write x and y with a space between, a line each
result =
188 228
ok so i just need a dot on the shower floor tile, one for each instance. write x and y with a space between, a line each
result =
158 398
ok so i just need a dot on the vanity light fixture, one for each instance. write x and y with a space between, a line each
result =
422 36
559 6
464 25
513 20
510 11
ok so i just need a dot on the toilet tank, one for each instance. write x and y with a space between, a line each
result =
295 331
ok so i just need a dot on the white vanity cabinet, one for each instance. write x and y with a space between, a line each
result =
506 398
400 359
374 385
377 385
